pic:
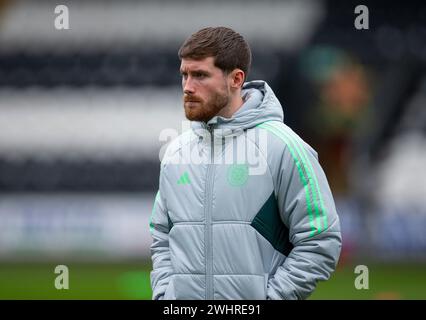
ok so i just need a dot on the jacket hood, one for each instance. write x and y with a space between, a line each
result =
260 105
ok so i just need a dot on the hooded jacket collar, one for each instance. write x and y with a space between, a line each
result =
260 105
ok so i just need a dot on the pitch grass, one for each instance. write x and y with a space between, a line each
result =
131 281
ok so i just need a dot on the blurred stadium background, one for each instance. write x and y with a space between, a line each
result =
81 112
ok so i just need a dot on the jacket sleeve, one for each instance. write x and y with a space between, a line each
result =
160 253
307 208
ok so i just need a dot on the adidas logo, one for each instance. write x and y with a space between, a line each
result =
184 179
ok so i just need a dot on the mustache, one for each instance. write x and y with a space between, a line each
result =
187 98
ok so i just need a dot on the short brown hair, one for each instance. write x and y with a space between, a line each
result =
228 48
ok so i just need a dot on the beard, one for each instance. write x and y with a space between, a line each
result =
196 109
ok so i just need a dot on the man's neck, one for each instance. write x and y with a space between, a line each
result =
235 104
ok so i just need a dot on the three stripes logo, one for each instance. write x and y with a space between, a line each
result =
315 204
184 179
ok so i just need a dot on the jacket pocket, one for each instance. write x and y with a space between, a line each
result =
266 280
169 294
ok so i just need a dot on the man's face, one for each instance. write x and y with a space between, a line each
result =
205 89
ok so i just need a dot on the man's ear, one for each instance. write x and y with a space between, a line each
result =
237 78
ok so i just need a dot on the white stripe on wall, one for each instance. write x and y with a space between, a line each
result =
95 24
87 123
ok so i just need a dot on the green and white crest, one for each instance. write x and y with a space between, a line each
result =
238 175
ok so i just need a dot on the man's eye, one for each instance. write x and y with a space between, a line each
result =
199 75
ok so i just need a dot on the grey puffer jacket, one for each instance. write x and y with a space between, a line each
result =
243 211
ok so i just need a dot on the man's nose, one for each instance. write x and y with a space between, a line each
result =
188 86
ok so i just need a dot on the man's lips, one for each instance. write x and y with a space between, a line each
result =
192 103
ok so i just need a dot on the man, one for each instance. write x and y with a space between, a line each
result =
225 229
